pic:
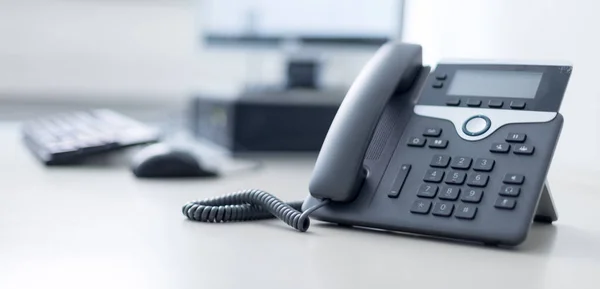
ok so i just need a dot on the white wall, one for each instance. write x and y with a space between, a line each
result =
124 50
525 29
52 48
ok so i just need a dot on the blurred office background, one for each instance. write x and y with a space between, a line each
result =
148 54
129 51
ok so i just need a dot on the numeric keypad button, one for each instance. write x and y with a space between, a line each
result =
478 180
427 191
462 163
483 165
455 178
420 207
472 196
434 176
466 212
440 161
449 193
442 209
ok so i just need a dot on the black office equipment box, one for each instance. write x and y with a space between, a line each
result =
266 120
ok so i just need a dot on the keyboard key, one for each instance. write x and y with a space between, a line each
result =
505 203
456 178
427 191
500 148
466 212
420 207
484 165
438 144
432 132
513 179
510 190
443 209
433 176
523 149
399 181
449 193
472 196
440 161
516 137
478 180
416 141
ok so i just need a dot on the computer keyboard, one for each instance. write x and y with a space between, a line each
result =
70 137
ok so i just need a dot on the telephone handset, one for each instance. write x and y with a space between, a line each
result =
461 153
391 71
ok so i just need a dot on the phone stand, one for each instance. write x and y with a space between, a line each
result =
546 211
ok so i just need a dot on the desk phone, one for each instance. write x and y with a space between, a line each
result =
460 152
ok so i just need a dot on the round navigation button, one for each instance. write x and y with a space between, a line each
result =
476 125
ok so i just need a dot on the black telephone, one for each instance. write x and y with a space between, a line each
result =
460 153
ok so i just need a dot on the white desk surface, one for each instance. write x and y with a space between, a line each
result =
99 227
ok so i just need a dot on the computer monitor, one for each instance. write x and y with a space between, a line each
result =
301 29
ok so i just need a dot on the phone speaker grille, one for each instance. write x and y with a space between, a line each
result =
382 133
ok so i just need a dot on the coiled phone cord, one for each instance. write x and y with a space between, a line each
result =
248 205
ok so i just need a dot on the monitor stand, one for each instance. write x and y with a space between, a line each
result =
300 73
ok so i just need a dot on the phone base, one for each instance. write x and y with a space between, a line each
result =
546 210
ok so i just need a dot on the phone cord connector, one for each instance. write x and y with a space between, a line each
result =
249 205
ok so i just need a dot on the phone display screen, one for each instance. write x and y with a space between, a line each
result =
494 83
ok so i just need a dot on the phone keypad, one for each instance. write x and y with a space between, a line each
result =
454 186
463 188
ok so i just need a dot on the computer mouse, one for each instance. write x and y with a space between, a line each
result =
164 161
